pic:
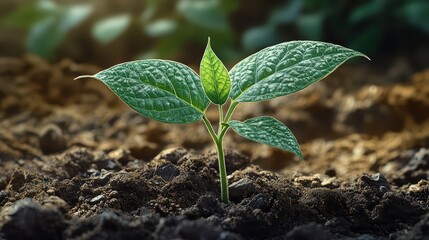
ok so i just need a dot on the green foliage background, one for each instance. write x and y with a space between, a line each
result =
107 32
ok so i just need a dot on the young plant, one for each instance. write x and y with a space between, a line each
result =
171 92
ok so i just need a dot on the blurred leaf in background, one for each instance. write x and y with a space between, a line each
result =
161 27
268 33
173 24
108 29
416 13
187 22
48 24
204 13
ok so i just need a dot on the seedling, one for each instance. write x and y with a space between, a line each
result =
171 92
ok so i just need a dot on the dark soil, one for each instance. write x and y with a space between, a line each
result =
76 163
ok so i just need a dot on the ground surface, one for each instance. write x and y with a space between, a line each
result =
75 163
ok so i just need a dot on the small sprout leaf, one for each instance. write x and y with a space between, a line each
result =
214 76
267 130
285 68
166 91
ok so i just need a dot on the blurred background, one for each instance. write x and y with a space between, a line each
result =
106 32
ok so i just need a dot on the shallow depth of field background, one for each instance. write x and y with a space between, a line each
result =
106 32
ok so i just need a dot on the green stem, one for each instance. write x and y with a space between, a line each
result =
218 139
220 120
221 157
210 129
230 111
222 172
222 133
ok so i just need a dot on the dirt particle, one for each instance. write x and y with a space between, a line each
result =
17 180
97 199
331 182
121 155
328 203
415 168
418 231
3 196
40 222
260 201
338 225
420 160
173 228
167 171
172 154
107 225
52 139
394 207
241 189
310 231
208 205
377 182
330 172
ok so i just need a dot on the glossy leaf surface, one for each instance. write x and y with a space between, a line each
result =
214 76
269 131
166 91
285 68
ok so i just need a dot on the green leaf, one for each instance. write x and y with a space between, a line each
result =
166 91
284 69
269 131
214 76
107 30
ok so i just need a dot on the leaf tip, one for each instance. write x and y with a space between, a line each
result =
301 158
363 55
208 47
83 76
297 152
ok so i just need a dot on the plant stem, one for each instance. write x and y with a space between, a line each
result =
221 157
230 111
218 139
220 120
210 129
222 172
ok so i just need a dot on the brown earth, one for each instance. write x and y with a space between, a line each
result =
76 163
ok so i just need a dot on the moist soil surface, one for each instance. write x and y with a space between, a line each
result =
76 163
